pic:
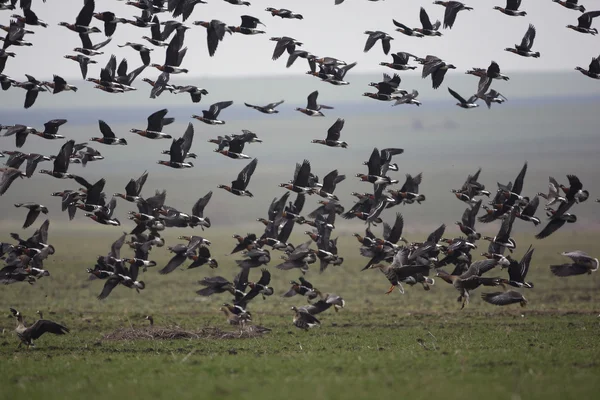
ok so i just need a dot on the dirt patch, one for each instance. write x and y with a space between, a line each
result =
158 333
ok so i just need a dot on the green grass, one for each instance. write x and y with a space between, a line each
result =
370 349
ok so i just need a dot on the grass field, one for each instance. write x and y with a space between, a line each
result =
418 345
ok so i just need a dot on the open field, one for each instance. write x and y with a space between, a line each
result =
417 345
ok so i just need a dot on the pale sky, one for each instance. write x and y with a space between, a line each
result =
327 30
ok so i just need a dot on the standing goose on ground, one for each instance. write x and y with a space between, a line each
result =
452 9
156 122
512 8
437 69
34 210
268 109
312 108
210 116
108 136
333 135
582 264
428 28
28 334
61 162
584 23
470 103
570 4
374 36
504 298
238 187
524 49
593 70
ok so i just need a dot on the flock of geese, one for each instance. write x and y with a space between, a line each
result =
402 262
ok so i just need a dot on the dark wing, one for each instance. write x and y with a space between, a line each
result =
425 20
173 263
371 40
216 108
457 96
244 176
115 248
198 209
552 227
436 235
396 232
568 269
110 284
374 162
303 174
527 42
51 127
438 77
155 120
43 325
450 14
502 298
575 186
139 183
506 227
312 100
334 132
85 15
105 129
61 162
524 263
518 186
531 207
594 66
329 181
